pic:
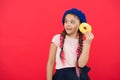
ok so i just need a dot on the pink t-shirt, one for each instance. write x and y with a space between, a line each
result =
70 46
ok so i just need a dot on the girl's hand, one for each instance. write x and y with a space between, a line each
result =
89 37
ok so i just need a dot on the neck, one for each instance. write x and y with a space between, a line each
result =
74 36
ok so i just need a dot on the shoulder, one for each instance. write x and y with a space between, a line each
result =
56 36
56 39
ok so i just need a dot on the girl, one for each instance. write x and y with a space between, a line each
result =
69 49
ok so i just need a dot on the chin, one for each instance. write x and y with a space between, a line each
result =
69 33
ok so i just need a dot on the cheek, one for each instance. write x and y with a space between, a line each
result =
75 27
65 26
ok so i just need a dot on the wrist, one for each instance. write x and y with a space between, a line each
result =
87 42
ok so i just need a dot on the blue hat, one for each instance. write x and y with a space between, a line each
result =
76 12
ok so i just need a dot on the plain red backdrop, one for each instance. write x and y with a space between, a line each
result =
27 26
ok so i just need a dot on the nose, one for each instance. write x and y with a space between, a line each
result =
68 23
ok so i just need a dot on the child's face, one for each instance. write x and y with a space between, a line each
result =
71 24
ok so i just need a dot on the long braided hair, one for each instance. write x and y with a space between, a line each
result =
80 42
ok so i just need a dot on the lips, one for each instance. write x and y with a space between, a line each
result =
68 29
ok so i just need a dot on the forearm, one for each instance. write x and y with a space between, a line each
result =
83 59
49 71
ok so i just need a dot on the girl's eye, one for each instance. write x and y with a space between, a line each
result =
65 21
72 22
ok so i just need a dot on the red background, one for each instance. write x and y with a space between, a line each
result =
27 26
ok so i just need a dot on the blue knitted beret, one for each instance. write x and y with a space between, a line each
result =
76 12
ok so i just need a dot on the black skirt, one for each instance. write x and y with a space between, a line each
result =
65 74
70 74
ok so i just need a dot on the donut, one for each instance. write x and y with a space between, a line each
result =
85 27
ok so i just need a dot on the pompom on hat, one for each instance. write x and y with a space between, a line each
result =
76 12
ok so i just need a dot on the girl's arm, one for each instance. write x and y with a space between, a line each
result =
83 59
51 59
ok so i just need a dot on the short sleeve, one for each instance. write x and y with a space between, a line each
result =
56 39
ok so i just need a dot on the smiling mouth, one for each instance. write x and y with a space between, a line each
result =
68 29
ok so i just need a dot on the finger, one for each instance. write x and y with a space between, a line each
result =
89 35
